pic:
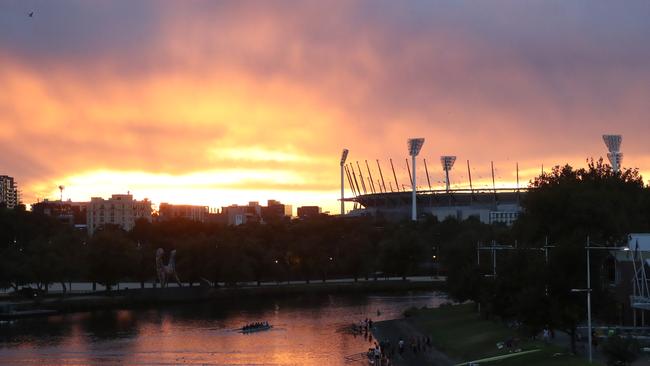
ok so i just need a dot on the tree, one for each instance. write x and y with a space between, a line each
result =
112 257
620 351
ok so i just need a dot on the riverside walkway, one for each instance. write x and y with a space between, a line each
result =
394 330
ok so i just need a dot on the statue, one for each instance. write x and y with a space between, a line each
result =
165 272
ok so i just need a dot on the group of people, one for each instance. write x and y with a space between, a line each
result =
416 344
383 352
363 327
255 325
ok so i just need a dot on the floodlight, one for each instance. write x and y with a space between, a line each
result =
613 142
615 157
415 144
344 156
447 162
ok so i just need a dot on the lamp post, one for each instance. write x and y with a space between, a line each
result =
344 156
588 248
414 144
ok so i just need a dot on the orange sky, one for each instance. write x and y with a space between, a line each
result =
224 102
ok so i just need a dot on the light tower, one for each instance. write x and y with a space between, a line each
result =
61 188
447 163
614 155
344 156
414 144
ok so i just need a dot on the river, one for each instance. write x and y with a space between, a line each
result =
306 332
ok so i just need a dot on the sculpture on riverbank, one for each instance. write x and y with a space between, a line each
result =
165 272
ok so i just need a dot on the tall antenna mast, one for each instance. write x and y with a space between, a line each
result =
614 155
382 176
394 175
426 170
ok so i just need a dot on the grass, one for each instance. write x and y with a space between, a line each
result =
460 332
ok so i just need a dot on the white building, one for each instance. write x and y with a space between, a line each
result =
121 210
8 192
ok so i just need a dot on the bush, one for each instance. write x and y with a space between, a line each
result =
620 351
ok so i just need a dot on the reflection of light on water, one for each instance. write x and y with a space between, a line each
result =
304 333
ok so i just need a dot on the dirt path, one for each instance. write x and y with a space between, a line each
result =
394 330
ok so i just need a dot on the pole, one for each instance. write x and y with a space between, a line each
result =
494 260
413 193
589 303
447 177
382 176
409 170
342 192
394 175
427 171
372 183
363 184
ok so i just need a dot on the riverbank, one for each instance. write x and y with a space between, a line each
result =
459 336
151 297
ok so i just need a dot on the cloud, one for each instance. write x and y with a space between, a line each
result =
193 87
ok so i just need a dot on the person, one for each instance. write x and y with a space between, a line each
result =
546 334
594 339
400 346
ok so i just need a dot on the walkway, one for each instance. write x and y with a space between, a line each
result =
394 330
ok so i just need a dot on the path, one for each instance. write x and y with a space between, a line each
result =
393 330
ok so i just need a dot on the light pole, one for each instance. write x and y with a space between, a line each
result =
588 248
344 156
414 144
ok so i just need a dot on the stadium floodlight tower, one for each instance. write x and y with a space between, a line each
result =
344 156
414 144
447 163
614 155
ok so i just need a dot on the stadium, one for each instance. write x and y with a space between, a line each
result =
372 197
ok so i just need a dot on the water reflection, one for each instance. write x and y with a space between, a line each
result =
304 333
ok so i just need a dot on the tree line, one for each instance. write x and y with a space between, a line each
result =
563 207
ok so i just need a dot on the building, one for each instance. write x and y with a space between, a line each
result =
488 205
309 211
72 213
275 210
168 211
238 215
120 210
8 192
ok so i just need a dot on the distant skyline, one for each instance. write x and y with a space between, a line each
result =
216 103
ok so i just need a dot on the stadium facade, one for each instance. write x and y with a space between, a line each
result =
488 205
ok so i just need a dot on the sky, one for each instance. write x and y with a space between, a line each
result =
216 103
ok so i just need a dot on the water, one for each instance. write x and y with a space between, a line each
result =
304 333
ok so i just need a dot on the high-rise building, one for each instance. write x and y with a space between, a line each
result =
189 212
8 192
120 210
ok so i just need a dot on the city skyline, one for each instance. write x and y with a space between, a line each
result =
221 103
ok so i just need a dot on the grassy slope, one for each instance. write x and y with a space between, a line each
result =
461 333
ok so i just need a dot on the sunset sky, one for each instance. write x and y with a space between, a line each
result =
216 103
